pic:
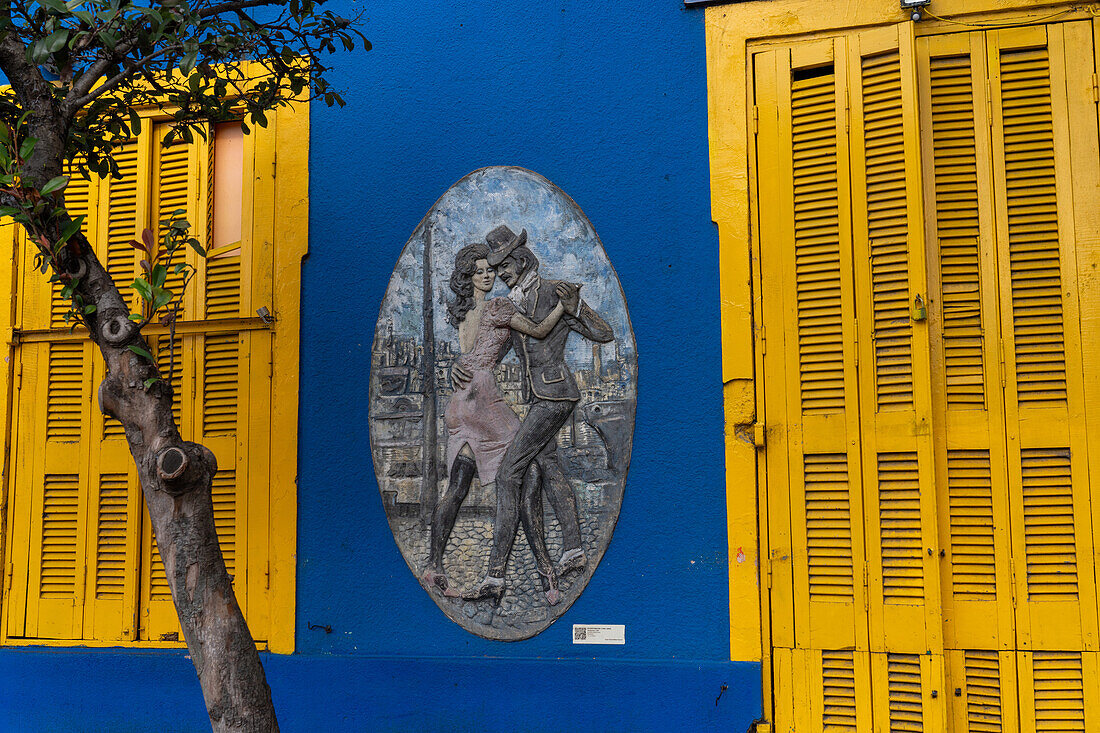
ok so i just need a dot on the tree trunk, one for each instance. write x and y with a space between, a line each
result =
175 475
176 478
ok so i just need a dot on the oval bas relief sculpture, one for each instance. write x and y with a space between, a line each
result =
502 398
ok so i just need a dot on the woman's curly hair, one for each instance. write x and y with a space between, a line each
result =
462 284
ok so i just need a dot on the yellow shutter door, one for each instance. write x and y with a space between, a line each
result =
1047 448
802 154
894 370
966 344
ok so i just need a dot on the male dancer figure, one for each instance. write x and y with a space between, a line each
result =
552 392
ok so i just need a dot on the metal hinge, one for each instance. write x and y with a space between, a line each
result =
1095 88
763 341
267 575
7 582
768 569
756 119
1012 572
19 376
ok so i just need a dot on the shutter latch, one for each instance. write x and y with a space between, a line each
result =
265 315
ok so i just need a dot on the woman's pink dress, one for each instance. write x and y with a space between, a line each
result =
477 414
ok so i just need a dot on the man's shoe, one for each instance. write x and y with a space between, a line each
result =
571 560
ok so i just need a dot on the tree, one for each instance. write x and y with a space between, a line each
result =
76 71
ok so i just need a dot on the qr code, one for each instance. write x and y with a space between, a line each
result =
580 633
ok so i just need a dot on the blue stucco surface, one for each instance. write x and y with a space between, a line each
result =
607 100
108 691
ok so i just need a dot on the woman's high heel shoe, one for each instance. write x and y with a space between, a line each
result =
490 588
434 578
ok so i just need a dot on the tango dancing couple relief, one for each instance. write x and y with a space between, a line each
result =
484 434
502 401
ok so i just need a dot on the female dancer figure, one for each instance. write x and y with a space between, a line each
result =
480 424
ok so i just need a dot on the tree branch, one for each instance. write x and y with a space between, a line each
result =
235 5
130 69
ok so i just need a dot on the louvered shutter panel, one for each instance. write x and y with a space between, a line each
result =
907 692
815 505
894 371
819 690
54 489
972 486
981 686
1047 456
1058 691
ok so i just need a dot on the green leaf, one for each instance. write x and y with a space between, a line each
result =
151 381
158 276
71 228
142 288
197 247
187 65
140 351
162 298
55 184
89 309
57 40
27 148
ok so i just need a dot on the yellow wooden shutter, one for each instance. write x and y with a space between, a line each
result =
805 235
894 372
972 490
1036 238
53 495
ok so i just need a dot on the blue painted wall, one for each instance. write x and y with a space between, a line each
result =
608 100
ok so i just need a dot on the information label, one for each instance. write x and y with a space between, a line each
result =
599 634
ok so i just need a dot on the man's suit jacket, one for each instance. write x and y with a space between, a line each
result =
545 373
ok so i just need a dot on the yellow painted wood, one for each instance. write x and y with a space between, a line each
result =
1048 472
966 341
894 374
1005 466
981 691
225 399
290 246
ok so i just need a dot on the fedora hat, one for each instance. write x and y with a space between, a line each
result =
502 241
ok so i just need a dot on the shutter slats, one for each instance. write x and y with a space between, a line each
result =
111 536
122 225
839 685
817 243
1033 242
65 391
225 516
900 527
1049 532
828 527
60 520
887 231
903 683
220 378
223 287
954 166
1059 692
970 498
983 691
172 176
